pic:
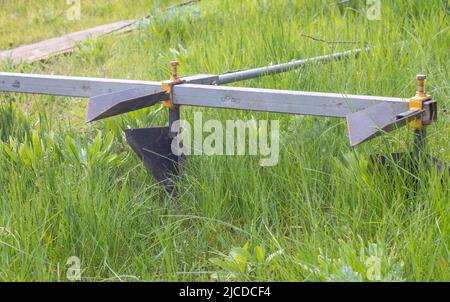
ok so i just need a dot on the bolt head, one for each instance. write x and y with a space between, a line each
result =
174 63
421 77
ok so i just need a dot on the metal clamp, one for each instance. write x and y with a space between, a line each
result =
168 85
422 101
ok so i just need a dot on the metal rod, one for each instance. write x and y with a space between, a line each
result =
420 140
174 115
274 69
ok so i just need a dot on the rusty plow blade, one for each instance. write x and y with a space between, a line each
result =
376 120
124 101
153 146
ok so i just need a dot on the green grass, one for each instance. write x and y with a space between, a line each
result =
39 20
71 189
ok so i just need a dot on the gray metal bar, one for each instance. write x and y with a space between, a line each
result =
70 86
284 101
420 140
268 70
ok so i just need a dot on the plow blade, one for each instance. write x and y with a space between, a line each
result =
153 146
124 101
377 119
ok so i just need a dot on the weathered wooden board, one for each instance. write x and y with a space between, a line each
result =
45 49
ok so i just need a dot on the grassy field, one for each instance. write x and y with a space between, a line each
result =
75 189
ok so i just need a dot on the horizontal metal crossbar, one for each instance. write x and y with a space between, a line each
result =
70 86
283 101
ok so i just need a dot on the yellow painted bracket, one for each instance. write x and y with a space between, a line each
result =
416 102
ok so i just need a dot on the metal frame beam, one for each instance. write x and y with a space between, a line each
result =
70 86
271 100
282 101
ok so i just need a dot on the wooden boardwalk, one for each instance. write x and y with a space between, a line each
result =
65 44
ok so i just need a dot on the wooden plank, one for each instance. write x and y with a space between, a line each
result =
43 50
70 86
283 101
66 44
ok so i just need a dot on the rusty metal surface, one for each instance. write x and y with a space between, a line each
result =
124 101
153 146
375 120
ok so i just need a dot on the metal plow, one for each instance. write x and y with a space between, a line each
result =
367 116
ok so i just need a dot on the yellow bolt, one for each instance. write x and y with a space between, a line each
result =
174 65
421 84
